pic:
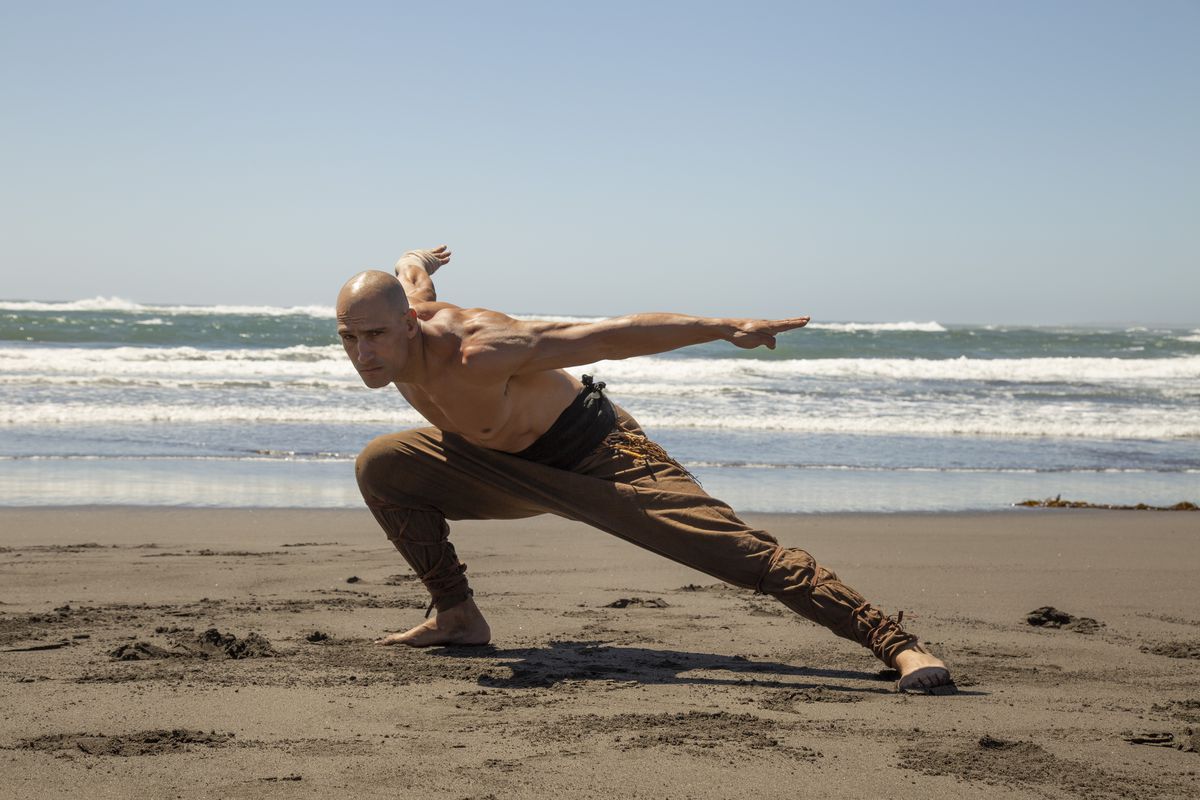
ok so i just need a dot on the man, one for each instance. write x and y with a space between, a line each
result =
515 435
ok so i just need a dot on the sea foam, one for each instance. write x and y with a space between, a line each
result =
121 305
878 327
117 304
917 418
713 374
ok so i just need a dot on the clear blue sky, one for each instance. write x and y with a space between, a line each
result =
989 162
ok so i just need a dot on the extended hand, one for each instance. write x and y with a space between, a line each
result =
428 260
750 333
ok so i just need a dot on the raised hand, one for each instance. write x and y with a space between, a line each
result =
751 333
429 260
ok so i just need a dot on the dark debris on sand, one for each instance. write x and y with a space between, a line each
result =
212 644
144 651
707 587
1058 502
1173 649
20 627
638 602
1051 617
1187 710
139 743
1187 740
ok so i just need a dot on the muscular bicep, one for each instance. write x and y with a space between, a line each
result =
570 344
516 347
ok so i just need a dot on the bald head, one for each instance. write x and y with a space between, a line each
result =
373 288
378 329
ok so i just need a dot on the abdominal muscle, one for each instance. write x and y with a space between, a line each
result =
507 417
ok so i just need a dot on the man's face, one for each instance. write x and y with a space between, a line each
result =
376 336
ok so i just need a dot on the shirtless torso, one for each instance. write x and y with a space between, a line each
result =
503 415
497 381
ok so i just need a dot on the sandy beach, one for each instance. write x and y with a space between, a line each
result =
227 653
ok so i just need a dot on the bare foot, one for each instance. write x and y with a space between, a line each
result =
922 672
462 624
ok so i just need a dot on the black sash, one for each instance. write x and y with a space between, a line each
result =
579 429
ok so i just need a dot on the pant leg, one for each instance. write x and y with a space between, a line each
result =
412 483
679 520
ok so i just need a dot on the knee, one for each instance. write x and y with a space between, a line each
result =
793 569
382 465
370 465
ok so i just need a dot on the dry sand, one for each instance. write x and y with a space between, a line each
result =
696 691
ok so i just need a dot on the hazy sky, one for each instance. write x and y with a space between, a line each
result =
959 162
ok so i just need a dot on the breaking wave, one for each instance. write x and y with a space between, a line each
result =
118 304
713 374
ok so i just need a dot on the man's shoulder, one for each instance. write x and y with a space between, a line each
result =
428 310
481 345
463 320
432 308
457 337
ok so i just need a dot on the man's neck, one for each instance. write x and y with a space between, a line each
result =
416 367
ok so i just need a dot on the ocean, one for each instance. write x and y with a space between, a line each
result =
106 401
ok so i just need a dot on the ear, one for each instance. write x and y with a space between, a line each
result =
410 322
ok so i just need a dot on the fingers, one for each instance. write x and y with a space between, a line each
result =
758 332
788 324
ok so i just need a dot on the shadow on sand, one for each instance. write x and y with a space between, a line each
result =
591 660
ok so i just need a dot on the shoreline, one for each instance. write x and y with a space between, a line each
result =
860 474
166 508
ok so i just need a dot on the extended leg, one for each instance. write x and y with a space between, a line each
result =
678 519
681 521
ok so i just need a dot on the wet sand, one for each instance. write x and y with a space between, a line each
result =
227 653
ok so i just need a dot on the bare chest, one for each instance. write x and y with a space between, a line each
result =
479 414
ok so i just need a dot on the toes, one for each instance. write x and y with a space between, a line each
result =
929 680
395 638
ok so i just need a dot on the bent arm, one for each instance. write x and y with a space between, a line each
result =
414 270
417 283
536 346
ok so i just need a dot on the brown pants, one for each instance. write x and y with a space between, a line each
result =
413 481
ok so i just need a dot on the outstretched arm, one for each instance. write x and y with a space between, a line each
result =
414 270
520 347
